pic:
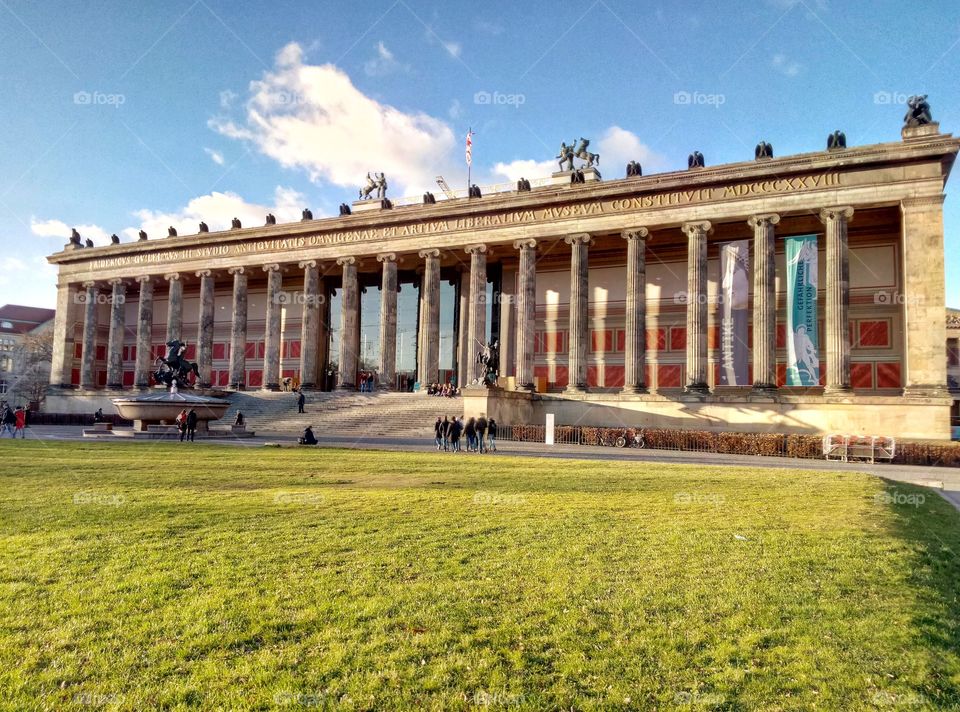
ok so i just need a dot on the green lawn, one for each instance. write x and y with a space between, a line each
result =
142 576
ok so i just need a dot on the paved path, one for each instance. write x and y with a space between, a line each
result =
946 480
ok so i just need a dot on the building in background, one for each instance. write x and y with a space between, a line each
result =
25 339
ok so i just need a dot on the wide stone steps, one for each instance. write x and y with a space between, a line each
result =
395 414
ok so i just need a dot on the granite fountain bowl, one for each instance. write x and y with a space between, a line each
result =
163 408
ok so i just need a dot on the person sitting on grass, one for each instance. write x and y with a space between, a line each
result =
308 438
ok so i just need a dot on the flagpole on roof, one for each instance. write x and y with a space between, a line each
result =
469 156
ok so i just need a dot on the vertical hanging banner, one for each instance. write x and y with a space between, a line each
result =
803 362
734 312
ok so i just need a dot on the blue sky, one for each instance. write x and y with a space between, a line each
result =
121 115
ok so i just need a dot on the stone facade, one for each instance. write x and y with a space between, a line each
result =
603 296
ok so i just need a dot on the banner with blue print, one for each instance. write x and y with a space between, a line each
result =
803 361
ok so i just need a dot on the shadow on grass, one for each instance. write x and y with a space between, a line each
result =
930 527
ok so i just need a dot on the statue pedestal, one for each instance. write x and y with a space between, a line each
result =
565 177
507 407
915 132
361 206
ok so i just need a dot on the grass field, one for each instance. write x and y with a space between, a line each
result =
166 576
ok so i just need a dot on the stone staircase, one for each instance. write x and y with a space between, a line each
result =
343 412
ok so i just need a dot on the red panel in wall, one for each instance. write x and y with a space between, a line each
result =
861 375
562 377
621 340
191 352
781 374
781 336
713 337
293 350
668 375
250 350
75 376
823 370
678 338
158 351
292 373
222 378
874 334
614 376
78 350
541 372
101 352
219 351
255 378
127 379
101 378
888 375
592 380
261 349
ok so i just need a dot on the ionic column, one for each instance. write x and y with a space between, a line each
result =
89 354
697 306
141 375
205 328
388 321
118 307
579 312
635 351
175 307
838 299
238 330
63 330
924 300
429 361
349 324
764 303
309 332
271 341
477 311
464 369
526 313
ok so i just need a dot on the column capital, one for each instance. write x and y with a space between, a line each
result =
387 257
204 273
344 261
635 233
580 238
117 282
765 218
89 285
172 276
527 243
697 227
472 249
835 213
143 279
426 253
271 268
237 270
307 263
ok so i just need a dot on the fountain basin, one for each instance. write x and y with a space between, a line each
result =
163 408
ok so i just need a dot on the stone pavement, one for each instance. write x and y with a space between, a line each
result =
945 480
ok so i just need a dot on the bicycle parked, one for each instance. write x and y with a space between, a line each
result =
631 439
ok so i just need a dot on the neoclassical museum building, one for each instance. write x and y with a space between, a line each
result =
801 293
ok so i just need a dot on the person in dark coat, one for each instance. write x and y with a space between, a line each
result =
456 427
492 435
301 399
481 434
445 433
471 432
437 437
308 438
191 424
182 423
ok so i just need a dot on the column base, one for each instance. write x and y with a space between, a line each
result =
921 391
346 387
236 387
696 389
270 387
764 390
575 390
309 387
114 386
635 390
837 390
526 387
385 387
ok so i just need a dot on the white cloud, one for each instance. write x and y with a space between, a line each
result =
58 228
525 168
217 210
383 63
785 66
215 156
617 147
313 118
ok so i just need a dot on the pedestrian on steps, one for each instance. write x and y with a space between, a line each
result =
301 399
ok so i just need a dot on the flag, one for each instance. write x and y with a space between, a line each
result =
469 152
803 345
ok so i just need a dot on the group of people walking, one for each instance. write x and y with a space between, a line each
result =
480 433
187 424
13 421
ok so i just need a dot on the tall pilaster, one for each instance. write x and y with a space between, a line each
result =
141 374
837 322
579 312
349 324
205 328
89 354
388 321
635 349
477 312
118 308
526 313
273 335
697 306
764 303
429 360
63 335
174 307
238 330
924 297
309 331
